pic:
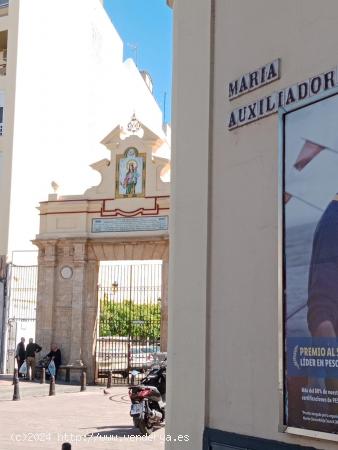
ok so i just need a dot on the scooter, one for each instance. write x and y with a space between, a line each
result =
148 400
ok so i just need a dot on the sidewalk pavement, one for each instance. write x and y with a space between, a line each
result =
33 389
88 420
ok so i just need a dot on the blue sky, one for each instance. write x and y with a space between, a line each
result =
147 24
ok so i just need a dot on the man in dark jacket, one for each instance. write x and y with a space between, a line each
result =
31 349
20 354
322 313
323 276
55 355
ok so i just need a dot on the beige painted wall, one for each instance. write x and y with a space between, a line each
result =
188 250
229 311
243 329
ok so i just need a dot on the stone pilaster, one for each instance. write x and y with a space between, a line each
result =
79 277
89 319
45 294
62 333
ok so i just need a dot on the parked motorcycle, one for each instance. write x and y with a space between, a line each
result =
148 399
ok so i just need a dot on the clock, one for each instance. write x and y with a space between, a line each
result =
66 272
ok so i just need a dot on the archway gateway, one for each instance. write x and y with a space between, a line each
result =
124 218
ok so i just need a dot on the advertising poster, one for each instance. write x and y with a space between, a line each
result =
311 266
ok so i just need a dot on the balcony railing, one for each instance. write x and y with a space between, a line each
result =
3 3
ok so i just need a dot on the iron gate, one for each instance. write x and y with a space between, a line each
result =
21 310
128 334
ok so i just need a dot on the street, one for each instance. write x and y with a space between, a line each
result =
87 420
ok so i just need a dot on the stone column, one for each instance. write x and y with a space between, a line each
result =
45 294
64 275
164 306
89 320
79 277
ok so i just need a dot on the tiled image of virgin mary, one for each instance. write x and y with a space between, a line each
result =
130 174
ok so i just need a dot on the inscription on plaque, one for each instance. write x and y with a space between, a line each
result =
129 224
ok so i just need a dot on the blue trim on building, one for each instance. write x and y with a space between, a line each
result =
223 440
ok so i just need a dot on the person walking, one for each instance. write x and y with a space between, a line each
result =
20 354
55 355
31 349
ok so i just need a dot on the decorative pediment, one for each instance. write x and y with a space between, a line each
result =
134 128
132 199
134 170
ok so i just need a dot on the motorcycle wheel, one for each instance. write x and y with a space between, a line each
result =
144 428
136 422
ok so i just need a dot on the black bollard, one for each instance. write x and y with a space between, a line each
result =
66 446
43 376
52 386
16 394
83 381
109 379
15 375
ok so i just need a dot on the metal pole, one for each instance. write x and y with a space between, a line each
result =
164 108
52 386
16 394
83 381
129 328
109 379
66 446
15 375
